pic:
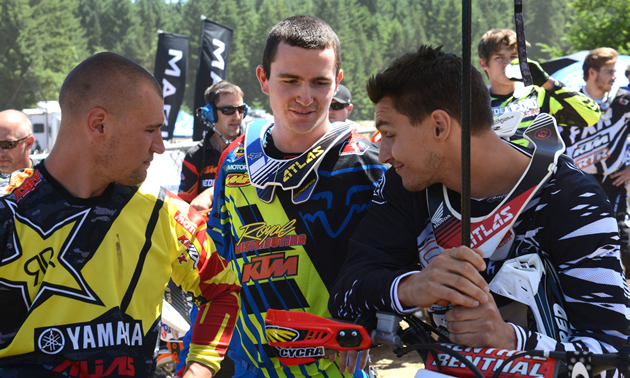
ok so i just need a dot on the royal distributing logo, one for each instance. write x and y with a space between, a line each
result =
88 336
260 235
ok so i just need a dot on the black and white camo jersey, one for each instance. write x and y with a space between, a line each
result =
569 222
601 148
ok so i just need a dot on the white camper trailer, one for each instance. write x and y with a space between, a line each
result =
45 119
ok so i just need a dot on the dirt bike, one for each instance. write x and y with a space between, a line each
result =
299 338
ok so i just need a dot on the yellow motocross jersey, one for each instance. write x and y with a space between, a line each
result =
82 280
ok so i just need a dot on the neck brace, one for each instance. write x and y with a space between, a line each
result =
298 174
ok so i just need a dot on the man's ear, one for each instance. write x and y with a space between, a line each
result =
96 120
262 78
29 142
339 77
442 124
350 107
483 64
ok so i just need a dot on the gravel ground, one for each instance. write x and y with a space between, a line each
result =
390 366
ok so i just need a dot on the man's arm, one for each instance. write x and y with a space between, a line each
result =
198 269
571 108
382 270
188 187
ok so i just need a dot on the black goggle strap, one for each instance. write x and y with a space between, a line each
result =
489 231
296 174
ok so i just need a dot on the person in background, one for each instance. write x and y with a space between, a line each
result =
627 87
16 140
88 249
341 105
199 167
37 149
601 150
497 51
289 194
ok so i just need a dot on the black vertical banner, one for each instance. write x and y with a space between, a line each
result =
212 66
171 65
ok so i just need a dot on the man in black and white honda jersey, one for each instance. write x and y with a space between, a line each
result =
601 149
406 253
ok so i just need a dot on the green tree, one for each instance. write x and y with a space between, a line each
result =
39 61
600 23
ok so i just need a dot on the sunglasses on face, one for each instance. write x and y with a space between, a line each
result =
337 105
229 110
11 144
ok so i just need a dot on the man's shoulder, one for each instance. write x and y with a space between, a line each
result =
20 183
571 177
622 97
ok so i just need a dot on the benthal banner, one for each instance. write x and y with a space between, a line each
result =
212 66
171 65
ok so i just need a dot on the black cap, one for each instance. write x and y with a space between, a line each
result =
343 95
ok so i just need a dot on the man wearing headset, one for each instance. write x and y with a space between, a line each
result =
224 114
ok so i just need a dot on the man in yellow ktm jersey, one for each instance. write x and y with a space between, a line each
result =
87 251
497 50
289 194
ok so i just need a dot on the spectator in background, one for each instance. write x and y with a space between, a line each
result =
497 50
16 140
37 149
627 87
200 164
601 149
341 105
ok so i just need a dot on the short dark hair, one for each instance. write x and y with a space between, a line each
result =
213 93
303 31
429 79
597 59
105 76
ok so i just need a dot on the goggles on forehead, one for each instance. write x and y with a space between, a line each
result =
11 144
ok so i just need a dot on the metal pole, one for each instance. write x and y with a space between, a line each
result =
466 67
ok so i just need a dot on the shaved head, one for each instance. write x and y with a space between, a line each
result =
16 120
15 126
104 80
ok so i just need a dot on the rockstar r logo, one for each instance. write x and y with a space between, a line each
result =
46 256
